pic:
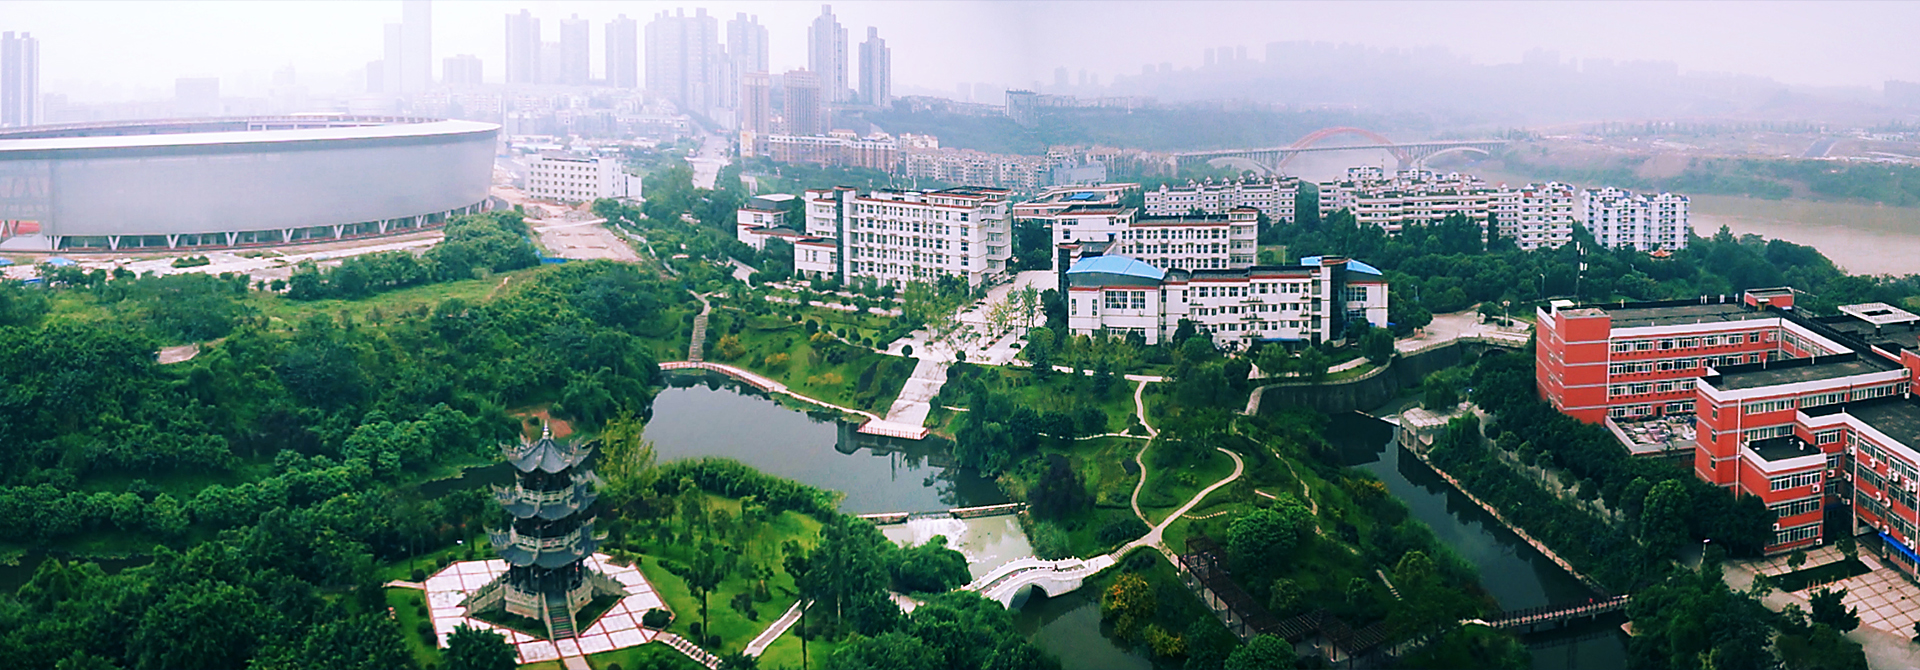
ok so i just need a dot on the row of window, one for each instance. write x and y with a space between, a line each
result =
1126 299
1768 432
1256 288
1625 346
1793 481
1175 233
1701 363
1668 386
1796 534
1794 507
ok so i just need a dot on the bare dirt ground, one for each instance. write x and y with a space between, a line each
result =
584 239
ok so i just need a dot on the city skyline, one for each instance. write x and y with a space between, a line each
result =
87 51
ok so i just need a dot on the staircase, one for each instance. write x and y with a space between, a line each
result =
559 620
696 350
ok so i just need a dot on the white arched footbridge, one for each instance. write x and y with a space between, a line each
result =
1051 577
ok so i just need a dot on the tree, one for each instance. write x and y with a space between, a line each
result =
1274 360
477 649
1796 559
887 651
1377 345
1039 351
1313 364
1663 517
1263 652
1270 534
1825 607
799 566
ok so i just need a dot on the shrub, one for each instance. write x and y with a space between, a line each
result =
1121 530
656 618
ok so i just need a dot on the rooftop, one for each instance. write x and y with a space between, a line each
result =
1352 265
1775 449
1899 418
1794 371
1119 265
1879 313
1635 315
1903 335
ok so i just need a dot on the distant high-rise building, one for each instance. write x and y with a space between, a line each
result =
523 48
416 46
756 101
461 70
623 53
684 60
376 76
573 52
395 61
747 43
876 70
19 79
962 92
196 96
827 54
1021 107
550 63
806 105
1060 77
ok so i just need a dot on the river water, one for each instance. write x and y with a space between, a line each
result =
1860 238
1516 575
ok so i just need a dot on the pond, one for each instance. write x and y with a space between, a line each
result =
704 416
1512 571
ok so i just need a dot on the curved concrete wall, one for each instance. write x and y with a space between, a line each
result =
286 180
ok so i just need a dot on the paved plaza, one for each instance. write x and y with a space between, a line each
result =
1886 600
619 628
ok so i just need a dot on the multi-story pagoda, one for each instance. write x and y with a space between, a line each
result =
547 543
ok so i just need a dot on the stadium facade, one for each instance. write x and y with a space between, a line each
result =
237 182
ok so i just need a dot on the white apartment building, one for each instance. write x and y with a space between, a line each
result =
898 237
1273 196
1310 302
567 178
764 216
1535 216
1620 218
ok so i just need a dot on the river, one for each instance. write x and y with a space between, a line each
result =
1516 575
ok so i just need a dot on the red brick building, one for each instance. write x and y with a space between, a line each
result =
1813 415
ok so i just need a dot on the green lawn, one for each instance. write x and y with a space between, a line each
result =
408 605
374 309
862 380
785 652
733 627
651 656
1169 488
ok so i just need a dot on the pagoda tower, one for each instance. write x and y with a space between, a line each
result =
547 543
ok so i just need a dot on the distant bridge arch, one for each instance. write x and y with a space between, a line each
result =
1422 161
1271 160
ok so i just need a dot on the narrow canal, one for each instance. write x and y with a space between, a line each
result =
1513 572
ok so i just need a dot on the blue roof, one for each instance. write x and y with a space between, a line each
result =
59 261
1354 265
1119 265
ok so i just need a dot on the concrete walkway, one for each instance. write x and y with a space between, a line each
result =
1884 649
760 643
1140 410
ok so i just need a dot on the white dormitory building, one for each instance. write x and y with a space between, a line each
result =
763 217
897 237
1273 196
1619 218
1193 242
568 178
1311 302
1533 216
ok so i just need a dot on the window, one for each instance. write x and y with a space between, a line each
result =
1769 432
1768 406
1794 508
1797 534
1827 436
1794 481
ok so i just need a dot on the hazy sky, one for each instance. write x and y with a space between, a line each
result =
98 48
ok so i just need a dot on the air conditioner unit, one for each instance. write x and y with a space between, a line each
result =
1776 528
1816 488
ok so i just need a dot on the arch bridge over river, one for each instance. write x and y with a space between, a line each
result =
1273 160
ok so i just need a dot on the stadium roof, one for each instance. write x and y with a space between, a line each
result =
231 137
1119 265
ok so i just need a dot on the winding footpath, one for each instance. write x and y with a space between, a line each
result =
1156 538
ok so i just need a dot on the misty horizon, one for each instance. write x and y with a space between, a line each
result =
110 51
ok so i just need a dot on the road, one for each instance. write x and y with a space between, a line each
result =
707 162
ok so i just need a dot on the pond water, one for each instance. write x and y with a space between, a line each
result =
1513 572
703 416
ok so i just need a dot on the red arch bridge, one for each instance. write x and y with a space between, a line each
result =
1272 160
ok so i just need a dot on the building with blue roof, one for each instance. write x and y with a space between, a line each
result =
1310 302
